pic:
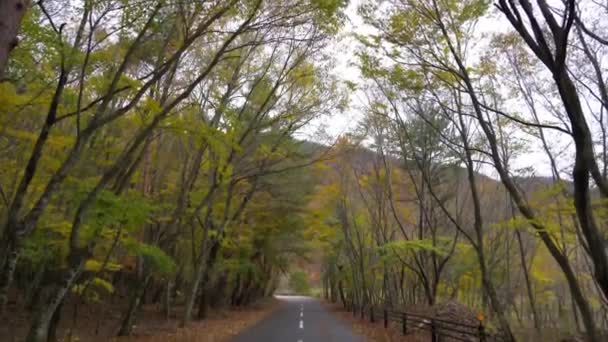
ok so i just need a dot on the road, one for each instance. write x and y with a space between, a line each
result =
299 319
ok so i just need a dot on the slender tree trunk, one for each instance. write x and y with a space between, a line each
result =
167 299
204 299
55 323
8 272
342 296
127 322
193 290
203 304
486 280
34 290
527 279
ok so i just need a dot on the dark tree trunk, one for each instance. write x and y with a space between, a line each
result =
8 272
55 323
203 304
218 296
127 322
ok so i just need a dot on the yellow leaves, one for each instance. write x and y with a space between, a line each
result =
92 288
61 228
96 266
303 75
32 99
265 151
55 142
517 222
102 284
151 106
20 134
472 9
9 98
324 197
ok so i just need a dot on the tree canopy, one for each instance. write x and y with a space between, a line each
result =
154 150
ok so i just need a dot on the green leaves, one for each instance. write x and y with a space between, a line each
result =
298 283
154 257
329 13
472 9
406 79
129 211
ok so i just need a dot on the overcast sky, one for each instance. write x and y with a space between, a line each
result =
344 48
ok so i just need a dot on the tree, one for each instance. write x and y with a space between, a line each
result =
10 20
585 167
183 113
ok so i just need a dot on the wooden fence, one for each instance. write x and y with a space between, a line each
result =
439 329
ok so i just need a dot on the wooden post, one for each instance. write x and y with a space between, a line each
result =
404 323
433 331
385 318
482 333
371 314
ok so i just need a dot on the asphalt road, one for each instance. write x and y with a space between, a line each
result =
300 319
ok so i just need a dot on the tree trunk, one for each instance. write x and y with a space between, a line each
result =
33 292
8 272
193 290
218 299
40 326
210 262
127 323
203 304
528 282
52 337
167 299
583 167
11 14
342 296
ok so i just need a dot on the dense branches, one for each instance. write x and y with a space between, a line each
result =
151 128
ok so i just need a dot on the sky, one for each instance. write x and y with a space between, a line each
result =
343 49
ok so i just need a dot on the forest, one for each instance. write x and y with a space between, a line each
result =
177 154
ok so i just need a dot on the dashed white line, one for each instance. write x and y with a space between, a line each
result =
301 324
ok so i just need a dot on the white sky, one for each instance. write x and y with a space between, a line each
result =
344 48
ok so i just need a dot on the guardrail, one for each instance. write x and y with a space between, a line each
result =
440 329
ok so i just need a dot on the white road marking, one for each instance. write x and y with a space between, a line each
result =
301 314
301 324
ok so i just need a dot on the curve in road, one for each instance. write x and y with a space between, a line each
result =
299 319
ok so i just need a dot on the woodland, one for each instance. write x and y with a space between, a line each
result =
159 152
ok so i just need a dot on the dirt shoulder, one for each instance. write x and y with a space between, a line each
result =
373 332
220 327
93 324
